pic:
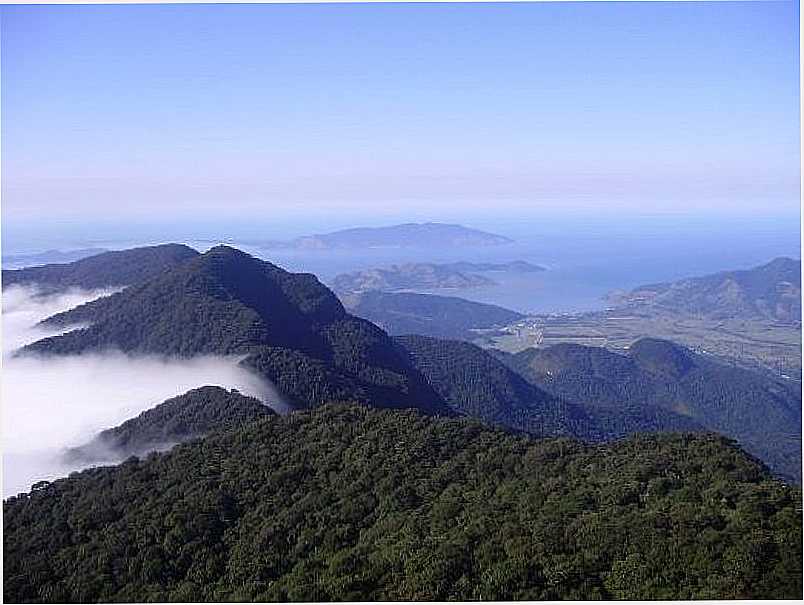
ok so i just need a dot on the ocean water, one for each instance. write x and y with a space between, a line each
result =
586 256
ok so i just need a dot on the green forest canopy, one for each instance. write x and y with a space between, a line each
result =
348 502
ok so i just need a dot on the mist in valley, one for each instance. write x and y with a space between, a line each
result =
54 403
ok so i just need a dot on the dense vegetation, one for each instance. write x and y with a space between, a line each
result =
476 384
118 268
227 302
429 315
770 291
762 413
188 416
353 503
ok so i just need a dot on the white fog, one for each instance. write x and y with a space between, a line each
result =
50 404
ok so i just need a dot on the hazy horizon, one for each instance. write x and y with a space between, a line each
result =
374 114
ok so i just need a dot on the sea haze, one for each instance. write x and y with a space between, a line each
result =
50 404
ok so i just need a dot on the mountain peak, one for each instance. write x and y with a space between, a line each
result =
226 250
227 302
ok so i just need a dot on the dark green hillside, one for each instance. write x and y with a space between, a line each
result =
762 413
428 315
226 302
351 503
118 268
188 416
475 382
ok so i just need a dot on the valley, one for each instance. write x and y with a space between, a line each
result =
757 343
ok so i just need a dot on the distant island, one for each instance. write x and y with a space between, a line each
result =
408 235
427 276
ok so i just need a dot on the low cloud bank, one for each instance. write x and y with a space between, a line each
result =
52 403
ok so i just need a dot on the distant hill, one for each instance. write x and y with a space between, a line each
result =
409 276
763 414
427 314
226 302
348 503
427 235
768 291
117 268
426 276
188 416
13 261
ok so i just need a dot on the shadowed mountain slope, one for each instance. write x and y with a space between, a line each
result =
475 382
108 269
357 504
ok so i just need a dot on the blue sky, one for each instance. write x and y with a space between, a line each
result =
405 111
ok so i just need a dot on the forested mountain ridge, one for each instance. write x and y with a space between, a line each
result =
401 313
107 269
189 416
226 302
762 413
476 382
771 291
353 503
